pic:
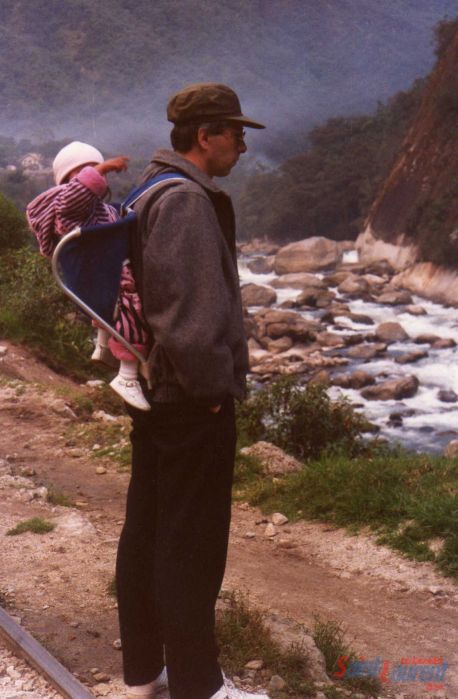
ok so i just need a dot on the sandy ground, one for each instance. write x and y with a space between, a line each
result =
58 583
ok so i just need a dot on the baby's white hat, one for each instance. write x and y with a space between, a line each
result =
72 156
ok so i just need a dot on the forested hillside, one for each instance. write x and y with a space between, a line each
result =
328 189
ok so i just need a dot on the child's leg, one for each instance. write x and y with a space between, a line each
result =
101 352
126 383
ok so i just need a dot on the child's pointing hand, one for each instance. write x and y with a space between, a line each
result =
117 164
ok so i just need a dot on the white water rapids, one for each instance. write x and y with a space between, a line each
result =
428 423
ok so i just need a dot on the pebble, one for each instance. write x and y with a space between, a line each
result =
101 677
95 383
270 531
96 447
100 470
277 683
103 416
250 535
3 350
435 590
254 665
117 644
278 519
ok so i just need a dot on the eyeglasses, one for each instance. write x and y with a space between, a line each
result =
238 135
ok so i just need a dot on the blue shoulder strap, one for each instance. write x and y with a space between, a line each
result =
153 182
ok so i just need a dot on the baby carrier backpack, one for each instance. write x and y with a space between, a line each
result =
88 261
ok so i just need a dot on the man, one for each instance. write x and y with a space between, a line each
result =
173 547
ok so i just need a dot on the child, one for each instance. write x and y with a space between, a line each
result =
76 200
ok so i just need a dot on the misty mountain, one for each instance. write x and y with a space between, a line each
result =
104 70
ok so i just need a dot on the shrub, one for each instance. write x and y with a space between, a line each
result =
13 229
301 420
34 311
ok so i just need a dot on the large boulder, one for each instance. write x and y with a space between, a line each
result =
257 295
356 379
366 352
394 389
274 460
395 298
307 255
317 298
354 286
391 332
276 324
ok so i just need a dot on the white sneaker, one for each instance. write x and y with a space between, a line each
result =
130 391
148 691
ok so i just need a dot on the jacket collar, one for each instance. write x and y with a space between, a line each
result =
170 159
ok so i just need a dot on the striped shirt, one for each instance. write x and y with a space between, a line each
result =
67 206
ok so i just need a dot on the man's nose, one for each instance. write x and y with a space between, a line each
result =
242 147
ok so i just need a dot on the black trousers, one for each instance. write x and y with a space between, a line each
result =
173 547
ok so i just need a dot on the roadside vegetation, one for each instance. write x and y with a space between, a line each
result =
244 635
36 525
409 500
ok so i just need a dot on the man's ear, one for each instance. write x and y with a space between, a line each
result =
202 138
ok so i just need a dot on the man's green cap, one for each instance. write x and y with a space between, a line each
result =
207 102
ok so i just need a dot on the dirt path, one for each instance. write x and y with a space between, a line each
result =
58 583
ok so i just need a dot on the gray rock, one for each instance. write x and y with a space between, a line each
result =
274 460
298 280
278 519
395 298
411 357
282 344
307 255
316 298
364 352
447 396
3 351
395 389
356 379
354 286
328 339
270 531
445 343
254 665
276 683
360 318
261 265
415 310
426 339
451 450
257 295
391 332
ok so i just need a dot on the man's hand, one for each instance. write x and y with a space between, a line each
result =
117 164
215 409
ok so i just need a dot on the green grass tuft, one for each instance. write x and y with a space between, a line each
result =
55 497
329 637
37 525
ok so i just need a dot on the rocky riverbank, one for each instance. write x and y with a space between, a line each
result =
314 310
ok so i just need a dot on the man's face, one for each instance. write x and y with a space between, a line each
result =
224 150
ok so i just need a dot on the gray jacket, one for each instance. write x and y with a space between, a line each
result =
186 270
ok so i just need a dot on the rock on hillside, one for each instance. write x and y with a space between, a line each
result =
413 219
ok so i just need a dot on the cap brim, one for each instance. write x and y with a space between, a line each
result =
245 122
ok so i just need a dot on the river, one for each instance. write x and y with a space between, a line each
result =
428 423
